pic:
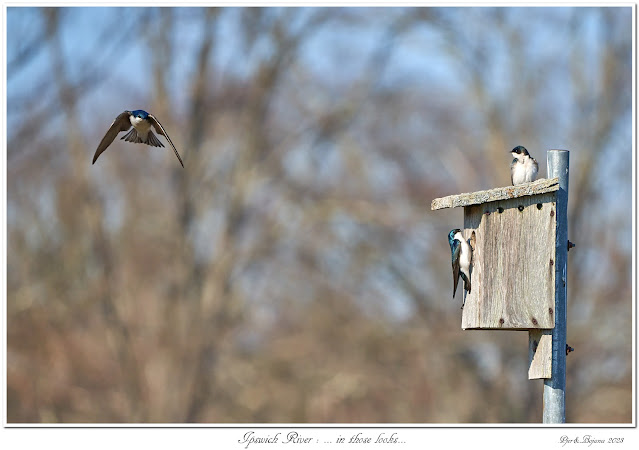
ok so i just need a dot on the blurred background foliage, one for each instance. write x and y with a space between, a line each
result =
293 271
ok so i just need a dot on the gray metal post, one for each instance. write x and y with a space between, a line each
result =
555 387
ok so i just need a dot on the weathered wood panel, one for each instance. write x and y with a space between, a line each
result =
542 186
539 354
513 273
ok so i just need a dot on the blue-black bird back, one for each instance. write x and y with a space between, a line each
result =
455 250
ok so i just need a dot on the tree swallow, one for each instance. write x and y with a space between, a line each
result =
461 255
524 167
141 132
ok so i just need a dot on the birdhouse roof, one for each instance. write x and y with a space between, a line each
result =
542 186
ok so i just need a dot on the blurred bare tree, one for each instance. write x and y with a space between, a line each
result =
293 271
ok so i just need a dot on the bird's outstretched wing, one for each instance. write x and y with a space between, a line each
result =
160 130
121 123
456 251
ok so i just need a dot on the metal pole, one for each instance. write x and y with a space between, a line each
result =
555 387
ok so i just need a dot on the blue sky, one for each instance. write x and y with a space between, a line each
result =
104 40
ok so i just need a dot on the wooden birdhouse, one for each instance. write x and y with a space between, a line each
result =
511 231
513 234
519 240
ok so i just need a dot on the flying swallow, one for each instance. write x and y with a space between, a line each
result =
141 132
460 256
524 167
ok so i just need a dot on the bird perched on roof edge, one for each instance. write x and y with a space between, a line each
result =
524 167
141 132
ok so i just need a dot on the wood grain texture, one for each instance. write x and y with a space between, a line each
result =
539 354
502 193
512 272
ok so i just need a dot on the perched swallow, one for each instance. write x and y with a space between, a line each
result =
141 132
524 167
461 255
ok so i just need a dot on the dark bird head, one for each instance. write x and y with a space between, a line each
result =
451 235
140 113
520 150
